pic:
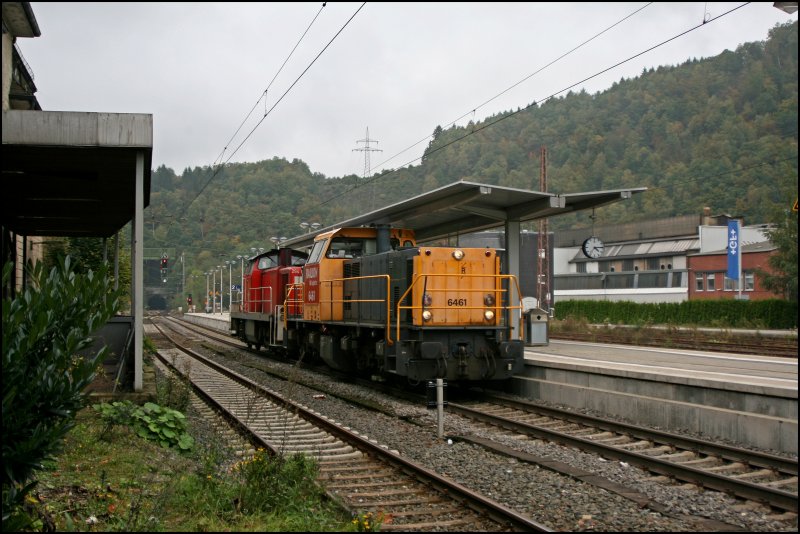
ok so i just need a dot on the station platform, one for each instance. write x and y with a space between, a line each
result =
217 321
740 398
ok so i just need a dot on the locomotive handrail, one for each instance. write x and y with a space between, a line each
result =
389 340
497 306
296 301
261 300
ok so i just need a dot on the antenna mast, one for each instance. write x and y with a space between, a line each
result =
367 170
542 256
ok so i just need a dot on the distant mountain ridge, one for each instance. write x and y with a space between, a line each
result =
719 132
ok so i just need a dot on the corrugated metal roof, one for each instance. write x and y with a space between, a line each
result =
464 207
645 249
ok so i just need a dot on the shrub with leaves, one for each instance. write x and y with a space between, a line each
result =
151 421
46 368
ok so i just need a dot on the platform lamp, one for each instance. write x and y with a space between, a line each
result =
207 294
241 257
213 290
221 287
230 283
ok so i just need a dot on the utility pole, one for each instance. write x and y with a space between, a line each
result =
542 256
367 170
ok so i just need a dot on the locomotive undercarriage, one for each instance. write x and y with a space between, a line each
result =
460 354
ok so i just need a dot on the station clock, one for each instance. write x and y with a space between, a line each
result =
593 247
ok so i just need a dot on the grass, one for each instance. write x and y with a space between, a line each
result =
111 479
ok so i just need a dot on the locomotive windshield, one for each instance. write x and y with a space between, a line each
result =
351 247
267 262
316 252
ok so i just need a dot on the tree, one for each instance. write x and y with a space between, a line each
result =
46 368
782 279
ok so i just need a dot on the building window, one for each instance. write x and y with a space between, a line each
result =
711 279
627 265
698 281
580 267
749 281
731 284
652 264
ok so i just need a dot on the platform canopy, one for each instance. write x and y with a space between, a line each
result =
465 207
73 173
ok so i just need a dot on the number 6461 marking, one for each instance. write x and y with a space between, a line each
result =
456 302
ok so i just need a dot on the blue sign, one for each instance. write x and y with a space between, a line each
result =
734 254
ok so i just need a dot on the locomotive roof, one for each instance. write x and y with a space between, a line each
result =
465 207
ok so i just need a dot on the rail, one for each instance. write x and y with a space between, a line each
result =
496 306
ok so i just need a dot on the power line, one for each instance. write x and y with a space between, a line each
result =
266 114
526 78
535 103
366 150
264 93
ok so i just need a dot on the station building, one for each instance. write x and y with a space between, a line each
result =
663 260
71 174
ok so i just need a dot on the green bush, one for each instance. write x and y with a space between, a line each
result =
151 421
46 333
723 313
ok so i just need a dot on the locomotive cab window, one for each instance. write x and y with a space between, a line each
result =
351 247
267 262
298 258
316 252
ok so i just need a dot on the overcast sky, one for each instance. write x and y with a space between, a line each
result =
397 69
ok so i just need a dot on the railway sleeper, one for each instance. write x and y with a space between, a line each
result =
735 467
791 482
637 445
765 474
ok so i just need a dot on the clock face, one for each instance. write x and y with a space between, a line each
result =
593 247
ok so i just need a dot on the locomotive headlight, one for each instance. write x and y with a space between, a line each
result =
488 299
458 254
427 299
427 315
488 315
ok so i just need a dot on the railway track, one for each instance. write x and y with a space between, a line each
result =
356 471
628 492
747 474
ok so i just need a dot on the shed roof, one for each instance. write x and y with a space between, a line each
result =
73 173
464 207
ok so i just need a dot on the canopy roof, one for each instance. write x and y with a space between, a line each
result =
466 207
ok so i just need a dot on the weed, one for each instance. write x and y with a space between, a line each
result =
370 522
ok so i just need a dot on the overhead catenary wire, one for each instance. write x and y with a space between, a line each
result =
526 78
267 113
266 90
536 102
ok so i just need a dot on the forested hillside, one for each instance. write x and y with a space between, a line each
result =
718 132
